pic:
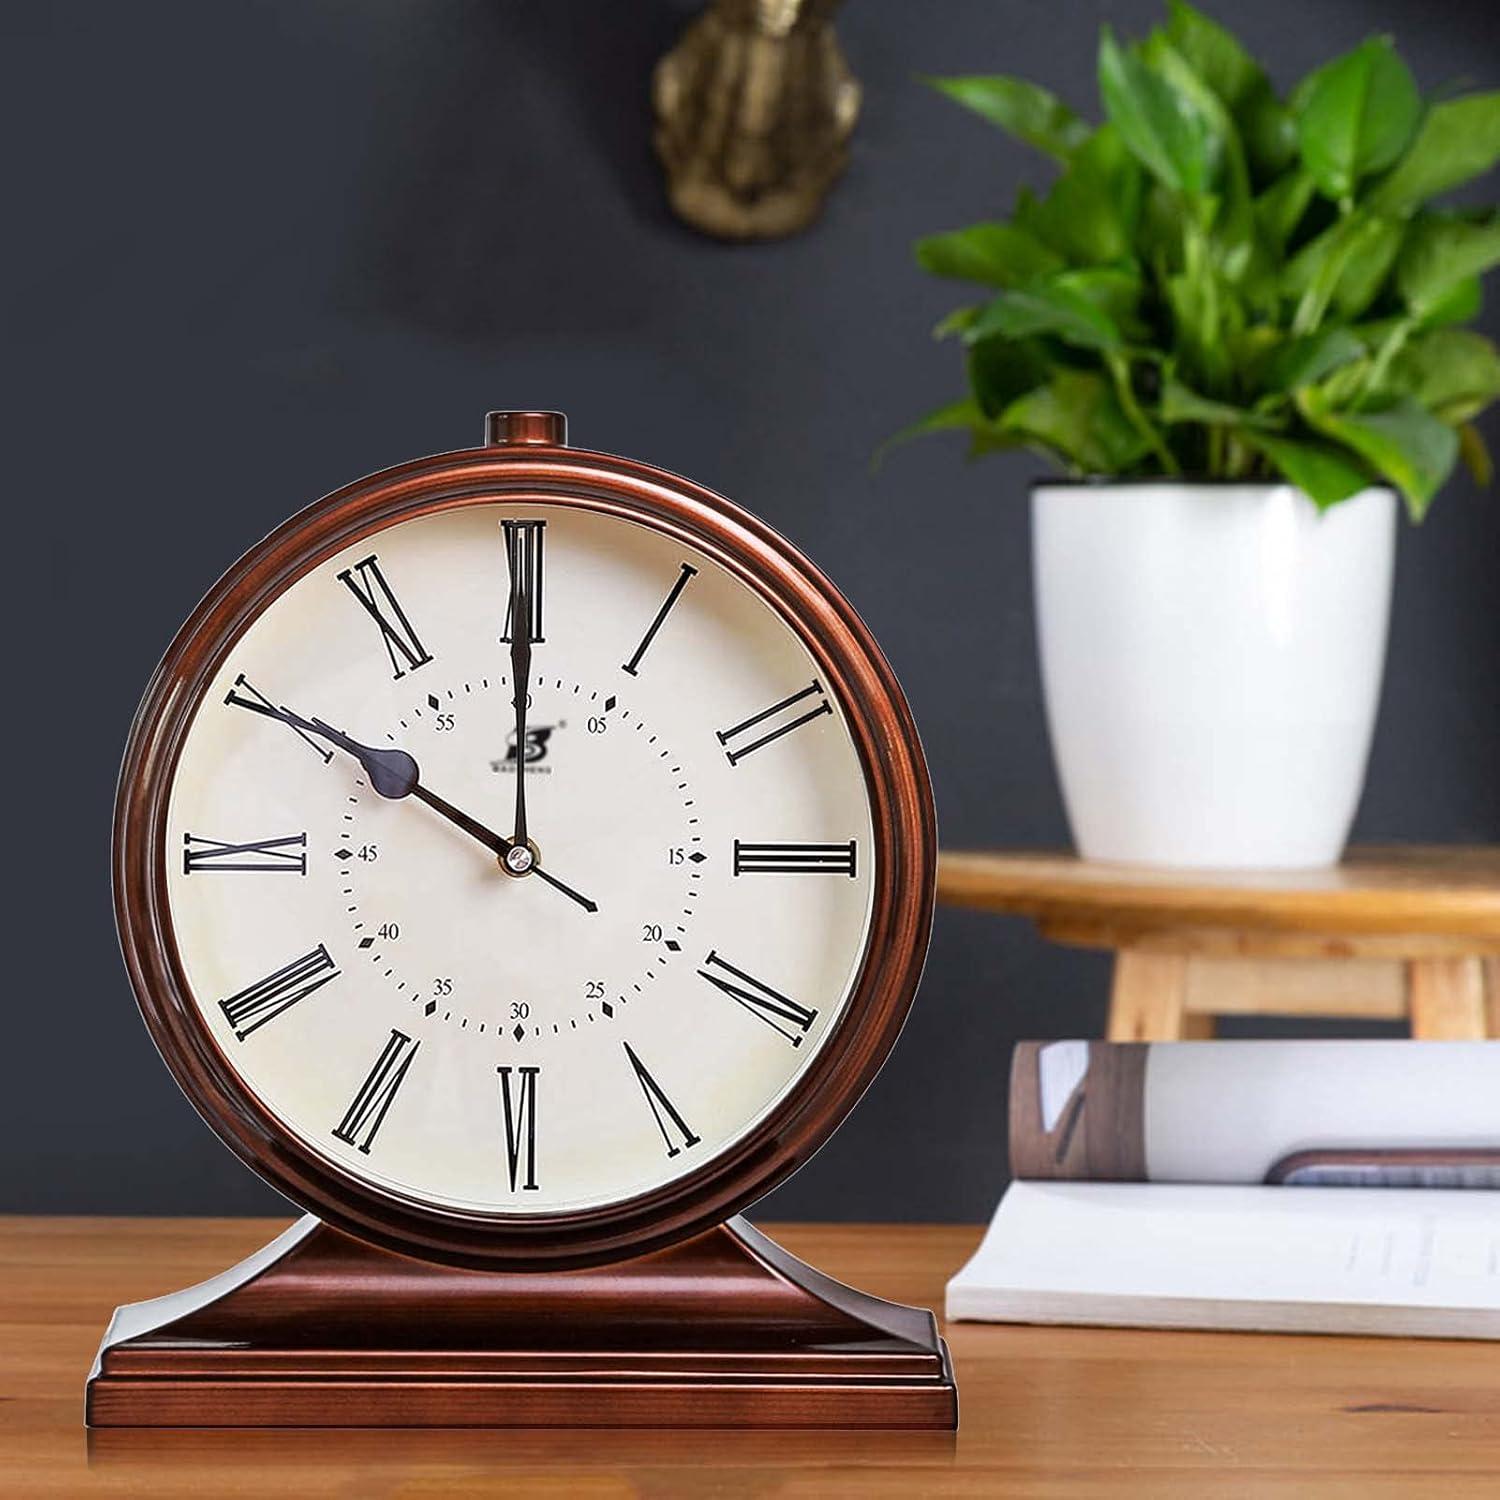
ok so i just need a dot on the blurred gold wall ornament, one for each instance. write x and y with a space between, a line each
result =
754 109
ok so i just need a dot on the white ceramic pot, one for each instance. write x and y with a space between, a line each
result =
1211 659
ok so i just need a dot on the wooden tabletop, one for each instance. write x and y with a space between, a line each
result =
1451 892
1045 1411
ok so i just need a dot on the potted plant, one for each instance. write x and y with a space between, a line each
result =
1235 321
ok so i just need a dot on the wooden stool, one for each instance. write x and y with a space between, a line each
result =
1394 934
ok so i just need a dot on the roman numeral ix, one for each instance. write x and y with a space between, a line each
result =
777 1010
258 703
520 1124
367 583
746 738
794 859
287 854
263 1001
688 571
662 1109
373 1101
523 557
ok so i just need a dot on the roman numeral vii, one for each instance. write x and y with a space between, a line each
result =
267 998
367 583
778 1011
373 1101
520 1124
750 735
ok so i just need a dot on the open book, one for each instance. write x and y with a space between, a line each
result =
1328 1187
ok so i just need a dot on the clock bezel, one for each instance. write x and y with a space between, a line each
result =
885 740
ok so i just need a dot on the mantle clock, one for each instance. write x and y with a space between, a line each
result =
523 860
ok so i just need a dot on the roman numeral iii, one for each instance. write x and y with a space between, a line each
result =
668 1121
267 998
778 1011
523 557
520 1124
287 854
688 571
373 1101
367 583
794 859
748 737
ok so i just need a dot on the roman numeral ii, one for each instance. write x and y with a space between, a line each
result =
373 1101
520 1124
367 583
778 1011
267 998
747 737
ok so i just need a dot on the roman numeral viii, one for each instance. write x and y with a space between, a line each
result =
266 999
373 1101
287 854
778 1011
746 738
523 557
794 859
668 1121
520 1124
367 583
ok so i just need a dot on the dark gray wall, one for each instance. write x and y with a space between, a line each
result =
255 248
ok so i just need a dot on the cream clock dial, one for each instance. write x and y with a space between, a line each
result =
524 959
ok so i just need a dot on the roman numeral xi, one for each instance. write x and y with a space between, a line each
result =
367 583
773 722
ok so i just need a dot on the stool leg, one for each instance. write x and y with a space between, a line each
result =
1492 980
1446 996
1147 999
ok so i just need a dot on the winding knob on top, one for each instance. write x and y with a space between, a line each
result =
541 429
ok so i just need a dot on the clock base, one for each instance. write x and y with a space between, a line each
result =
322 1330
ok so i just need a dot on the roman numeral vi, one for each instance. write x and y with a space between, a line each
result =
520 1124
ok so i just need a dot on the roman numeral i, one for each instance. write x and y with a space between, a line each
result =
778 1011
287 854
267 998
376 1093
687 571
748 737
367 583
520 1124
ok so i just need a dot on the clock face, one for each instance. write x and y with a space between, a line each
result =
528 974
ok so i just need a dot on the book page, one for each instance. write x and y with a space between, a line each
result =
1268 1257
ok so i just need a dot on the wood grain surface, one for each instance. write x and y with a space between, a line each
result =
1045 1412
1401 892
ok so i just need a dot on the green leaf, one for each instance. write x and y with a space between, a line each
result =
1214 54
960 320
1091 212
1269 133
1114 290
1281 206
1324 472
1023 109
1356 116
1159 124
963 415
992 254
1458 139
1403 441
1442 251
1077 416
1476 455
1453 372
1307 360
1050 309
1343 267
1002 369
1180 403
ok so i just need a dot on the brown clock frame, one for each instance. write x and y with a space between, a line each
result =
526 463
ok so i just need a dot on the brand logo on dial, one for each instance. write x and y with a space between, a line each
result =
538 741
